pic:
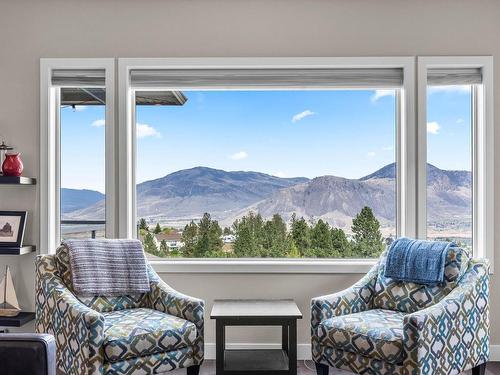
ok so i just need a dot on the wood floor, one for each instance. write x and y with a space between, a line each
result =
208 368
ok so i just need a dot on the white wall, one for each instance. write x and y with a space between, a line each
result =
30 30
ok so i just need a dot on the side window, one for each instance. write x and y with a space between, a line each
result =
82 167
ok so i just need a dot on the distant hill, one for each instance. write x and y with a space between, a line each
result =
189 192
449 199
389 171
206 181
75 199
184 195
337 200
334 199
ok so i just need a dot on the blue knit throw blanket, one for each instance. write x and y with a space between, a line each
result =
107 267
417 261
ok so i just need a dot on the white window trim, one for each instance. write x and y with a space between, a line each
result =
405 157
49 190
258 265
411 146
483 150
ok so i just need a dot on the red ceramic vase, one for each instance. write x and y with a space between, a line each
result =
12 165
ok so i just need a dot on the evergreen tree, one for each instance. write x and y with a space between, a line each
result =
209 239
275 238
227 231
321 241
368 241
157 229
150 244
300 233
189 239
249 233
340 244
143 224
321 237
294 251
163 248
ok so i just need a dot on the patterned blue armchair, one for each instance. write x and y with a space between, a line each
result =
381 326
148 333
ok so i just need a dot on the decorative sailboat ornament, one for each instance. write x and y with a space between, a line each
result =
8 299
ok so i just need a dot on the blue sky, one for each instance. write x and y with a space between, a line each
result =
449 130
284 133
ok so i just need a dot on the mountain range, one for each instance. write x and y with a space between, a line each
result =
76 199
184 195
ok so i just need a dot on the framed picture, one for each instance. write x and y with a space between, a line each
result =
12 225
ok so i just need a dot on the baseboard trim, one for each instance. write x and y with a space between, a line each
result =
495 353
303 350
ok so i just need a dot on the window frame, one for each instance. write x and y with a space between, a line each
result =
405 156
411 153
50 184
482 149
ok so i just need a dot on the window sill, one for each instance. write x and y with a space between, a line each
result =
304 266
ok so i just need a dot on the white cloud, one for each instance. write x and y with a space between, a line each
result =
79 108
433 127
239 155
145 130
371 154
99 123
388 148
381 93
302 115
459 89
280 174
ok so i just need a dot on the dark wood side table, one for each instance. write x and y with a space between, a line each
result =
282 313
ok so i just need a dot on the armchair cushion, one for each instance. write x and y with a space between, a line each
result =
373 333
140 332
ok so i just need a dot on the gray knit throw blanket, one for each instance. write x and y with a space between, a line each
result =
107 267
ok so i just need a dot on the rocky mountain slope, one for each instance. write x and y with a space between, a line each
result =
187 194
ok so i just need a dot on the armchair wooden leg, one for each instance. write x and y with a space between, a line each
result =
321 369
193 370
479 370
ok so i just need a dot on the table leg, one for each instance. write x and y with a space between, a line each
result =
220 346
292 351
284 338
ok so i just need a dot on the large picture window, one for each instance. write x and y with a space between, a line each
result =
280 165
276 173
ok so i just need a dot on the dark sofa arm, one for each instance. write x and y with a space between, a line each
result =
27 353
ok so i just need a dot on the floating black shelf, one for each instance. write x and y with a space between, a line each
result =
7 250
12 180
17 321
